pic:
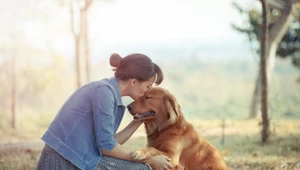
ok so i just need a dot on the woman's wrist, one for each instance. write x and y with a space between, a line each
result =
136 122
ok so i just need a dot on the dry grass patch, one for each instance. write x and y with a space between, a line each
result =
242 149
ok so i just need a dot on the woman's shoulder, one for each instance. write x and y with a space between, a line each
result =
105 82
109 84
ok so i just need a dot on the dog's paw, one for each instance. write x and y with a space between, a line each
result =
178 167
140 154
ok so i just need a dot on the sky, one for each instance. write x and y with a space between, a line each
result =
127 26
168 25
165 20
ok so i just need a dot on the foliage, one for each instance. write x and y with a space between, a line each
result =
290 43
205 90
221 90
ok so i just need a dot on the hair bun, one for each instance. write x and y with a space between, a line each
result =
115 60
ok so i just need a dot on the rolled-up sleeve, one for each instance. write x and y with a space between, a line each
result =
103 104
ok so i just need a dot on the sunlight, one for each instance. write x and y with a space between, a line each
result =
211 68
137 21
35 34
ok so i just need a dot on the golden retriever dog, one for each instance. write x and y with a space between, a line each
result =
168 133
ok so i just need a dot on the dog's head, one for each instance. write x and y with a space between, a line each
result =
157 105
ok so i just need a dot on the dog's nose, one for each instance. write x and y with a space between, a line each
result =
129 107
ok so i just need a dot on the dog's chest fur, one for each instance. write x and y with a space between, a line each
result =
170 137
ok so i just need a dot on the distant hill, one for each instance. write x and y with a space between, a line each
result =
205 50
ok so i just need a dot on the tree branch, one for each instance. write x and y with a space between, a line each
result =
282 24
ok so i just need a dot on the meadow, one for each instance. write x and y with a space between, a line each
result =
208 93
241 148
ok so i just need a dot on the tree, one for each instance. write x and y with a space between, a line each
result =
22 84
263 56
281 17
81 38
77 46
13 91
84 26
5 94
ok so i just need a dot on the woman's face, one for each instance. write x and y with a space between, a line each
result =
140 88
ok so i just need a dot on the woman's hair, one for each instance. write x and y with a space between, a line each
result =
138 66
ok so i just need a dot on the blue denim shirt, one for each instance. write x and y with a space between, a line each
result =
86 123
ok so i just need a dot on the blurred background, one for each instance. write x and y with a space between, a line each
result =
208 50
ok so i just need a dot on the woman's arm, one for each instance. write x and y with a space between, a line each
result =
122 136
119 152
157 162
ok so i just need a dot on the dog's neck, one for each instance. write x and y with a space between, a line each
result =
154 129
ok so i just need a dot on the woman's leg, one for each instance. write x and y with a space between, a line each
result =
110 163
51 160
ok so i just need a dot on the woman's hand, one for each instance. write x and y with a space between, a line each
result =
160 162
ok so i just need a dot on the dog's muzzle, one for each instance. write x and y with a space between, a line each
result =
144 115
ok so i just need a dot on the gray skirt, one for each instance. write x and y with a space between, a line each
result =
52 160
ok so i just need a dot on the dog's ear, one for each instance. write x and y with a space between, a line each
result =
172 107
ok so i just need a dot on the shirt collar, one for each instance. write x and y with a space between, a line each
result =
115 84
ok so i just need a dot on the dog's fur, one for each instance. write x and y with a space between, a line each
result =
168 133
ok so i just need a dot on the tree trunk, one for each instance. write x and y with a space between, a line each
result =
263 70
84 29
77 47
254 107
13 92
276 35
77 61
85 44
81 41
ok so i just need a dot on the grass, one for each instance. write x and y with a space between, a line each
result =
242 149
208 94
19 158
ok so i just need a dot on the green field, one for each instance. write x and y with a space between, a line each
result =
242 149
207 93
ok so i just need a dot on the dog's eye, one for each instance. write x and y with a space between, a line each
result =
148 97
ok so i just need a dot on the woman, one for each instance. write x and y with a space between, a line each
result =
83 133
